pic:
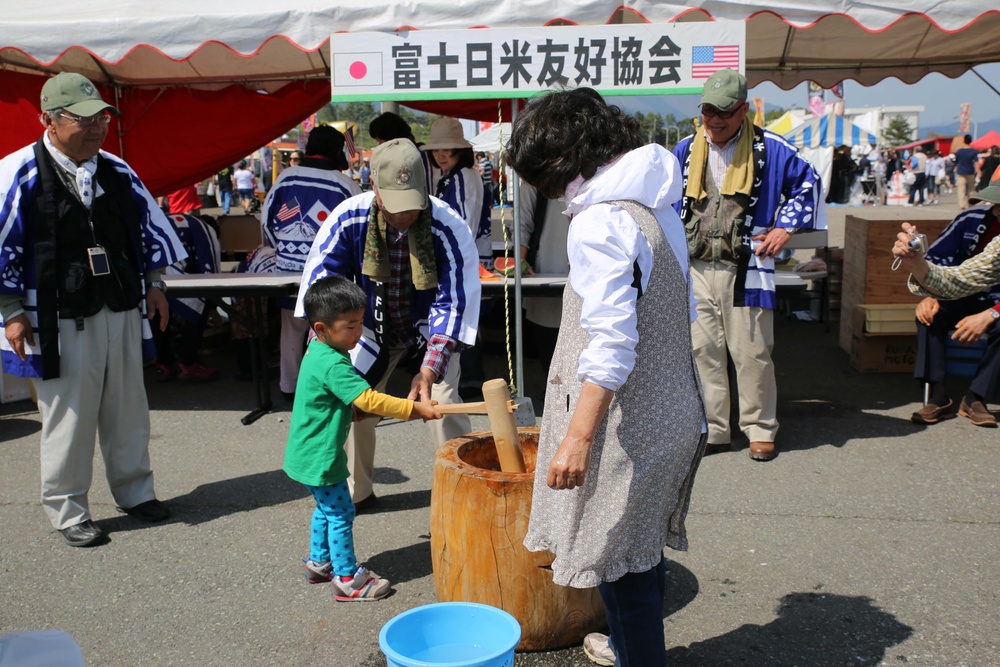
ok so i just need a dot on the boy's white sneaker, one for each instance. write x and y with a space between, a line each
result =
365 586
595 646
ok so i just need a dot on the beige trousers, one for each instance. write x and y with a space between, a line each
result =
99 391
745 334
360 444
966 186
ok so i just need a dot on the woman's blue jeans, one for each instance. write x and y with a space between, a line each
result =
634 606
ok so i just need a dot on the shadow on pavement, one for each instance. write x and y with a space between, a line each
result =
238 494
14 428
820 630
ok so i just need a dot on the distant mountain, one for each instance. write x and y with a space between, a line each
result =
951 129
681 106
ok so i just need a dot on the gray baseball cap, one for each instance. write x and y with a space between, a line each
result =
398 176
74 93
724 90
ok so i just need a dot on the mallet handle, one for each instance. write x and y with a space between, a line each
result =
504 427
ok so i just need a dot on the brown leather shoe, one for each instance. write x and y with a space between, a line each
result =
978 414
762 451
932 414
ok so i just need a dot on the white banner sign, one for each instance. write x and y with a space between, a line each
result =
620 59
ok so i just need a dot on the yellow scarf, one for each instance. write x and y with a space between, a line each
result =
739 176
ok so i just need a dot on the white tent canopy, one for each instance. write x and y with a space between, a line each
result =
225 41
488 141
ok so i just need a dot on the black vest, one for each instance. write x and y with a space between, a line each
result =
67 289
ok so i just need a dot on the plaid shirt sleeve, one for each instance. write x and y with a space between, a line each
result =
979 272
438 354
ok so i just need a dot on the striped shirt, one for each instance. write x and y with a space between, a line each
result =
719 159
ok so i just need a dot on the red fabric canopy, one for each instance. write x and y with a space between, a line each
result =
987 141
173 136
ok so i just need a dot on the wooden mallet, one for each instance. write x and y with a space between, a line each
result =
500 408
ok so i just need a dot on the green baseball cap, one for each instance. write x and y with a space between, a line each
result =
74 93
724 90
398 176
991 193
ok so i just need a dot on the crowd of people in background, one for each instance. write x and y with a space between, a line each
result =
919 175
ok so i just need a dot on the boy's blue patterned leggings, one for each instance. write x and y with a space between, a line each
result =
332 528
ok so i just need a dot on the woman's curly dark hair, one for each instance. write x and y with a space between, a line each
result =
565 134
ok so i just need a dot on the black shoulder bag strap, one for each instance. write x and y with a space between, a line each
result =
46 266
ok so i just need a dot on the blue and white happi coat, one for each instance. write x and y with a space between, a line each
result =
791 196
19 188
452 309
297 206
204 256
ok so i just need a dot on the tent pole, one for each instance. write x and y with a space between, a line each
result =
121 129
518 331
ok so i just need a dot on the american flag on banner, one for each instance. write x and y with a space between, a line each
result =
288 210
349 141
706 60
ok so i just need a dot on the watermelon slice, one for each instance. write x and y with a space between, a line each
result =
486 274
505 265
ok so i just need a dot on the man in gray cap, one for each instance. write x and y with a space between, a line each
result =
746 191
81 247
417 262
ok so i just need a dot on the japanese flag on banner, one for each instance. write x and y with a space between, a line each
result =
318 212
357 69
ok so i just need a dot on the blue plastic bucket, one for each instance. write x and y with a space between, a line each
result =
451 634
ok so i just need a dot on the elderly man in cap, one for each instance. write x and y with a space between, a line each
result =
82 243
416 260
294 210
746 191
960 278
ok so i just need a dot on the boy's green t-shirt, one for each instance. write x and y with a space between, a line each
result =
321 416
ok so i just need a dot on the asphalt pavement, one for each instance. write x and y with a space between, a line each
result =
869 540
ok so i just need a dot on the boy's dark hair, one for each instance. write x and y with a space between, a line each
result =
566 134
389 126
968 140
330 297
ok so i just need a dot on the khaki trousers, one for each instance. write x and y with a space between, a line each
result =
966 186
360 444
99 392
745 334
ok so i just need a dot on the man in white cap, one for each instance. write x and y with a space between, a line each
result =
746 191
82 243
416 261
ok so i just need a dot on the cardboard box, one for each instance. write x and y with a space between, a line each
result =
880 353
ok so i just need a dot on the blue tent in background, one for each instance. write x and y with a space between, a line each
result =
830 130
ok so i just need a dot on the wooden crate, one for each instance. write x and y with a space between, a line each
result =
238 235
868 275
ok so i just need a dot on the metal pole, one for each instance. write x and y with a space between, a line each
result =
518 337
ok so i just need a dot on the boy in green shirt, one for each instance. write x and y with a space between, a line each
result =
328 386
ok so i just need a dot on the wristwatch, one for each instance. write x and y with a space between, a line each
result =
994 314
158 284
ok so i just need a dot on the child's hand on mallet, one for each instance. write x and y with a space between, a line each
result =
425 410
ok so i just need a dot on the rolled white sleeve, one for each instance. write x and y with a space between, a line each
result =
605 244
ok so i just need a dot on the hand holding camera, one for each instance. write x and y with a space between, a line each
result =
910 247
